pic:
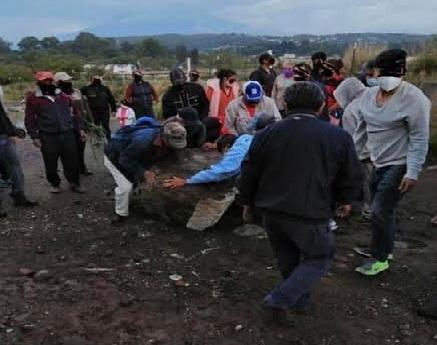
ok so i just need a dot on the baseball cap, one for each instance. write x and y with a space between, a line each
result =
44 75
174 133
253 91
62 76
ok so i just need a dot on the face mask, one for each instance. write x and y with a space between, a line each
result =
389 83
97 82
138 78
288 72
194 78
66 87
372 82
48 90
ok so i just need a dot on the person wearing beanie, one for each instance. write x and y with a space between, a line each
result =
397 117
294 172
234 148
241 112
347 96
141 95
65 83
134 149
265 74
51 122
318 59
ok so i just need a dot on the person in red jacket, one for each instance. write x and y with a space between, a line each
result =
333 73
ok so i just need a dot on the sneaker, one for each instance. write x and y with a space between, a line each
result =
117 219
366 253
372 267
271 303
75 188
54 190
21 200
366 214
333 225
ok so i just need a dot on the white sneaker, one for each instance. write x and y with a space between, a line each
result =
333 225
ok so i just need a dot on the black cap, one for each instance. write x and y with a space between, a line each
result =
392 62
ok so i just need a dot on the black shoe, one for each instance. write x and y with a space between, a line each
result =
21 200
75 188
117 219
86 172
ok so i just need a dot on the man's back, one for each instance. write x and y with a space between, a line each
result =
302 165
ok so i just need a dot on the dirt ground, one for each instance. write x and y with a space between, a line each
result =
100 284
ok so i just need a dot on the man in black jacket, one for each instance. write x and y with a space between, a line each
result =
101 103
295 170
265 74
10 162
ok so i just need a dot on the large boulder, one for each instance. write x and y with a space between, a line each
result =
194 206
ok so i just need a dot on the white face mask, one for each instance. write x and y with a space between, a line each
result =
389 83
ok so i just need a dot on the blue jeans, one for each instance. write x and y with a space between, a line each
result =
385 198
9 158
304 253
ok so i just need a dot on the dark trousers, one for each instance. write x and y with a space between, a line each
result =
63 146
81 145
385 198
10 161
101 118
304 253
143 110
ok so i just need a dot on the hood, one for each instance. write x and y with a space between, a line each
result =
348 90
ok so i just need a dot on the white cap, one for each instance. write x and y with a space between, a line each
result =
62 76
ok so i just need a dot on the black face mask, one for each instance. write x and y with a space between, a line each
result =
97 82
138 78
195 78
66 87
48 90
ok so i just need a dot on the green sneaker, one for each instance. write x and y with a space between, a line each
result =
372 267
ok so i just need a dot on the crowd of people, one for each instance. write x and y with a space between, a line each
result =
303 145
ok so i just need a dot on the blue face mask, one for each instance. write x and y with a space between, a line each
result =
372 82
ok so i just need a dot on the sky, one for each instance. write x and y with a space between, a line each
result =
64 18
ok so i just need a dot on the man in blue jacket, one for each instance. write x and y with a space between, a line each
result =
230 165
295 170
134 149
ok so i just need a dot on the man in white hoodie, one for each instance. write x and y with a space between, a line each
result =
397 116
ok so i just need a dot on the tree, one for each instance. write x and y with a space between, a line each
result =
151 47
195 59
181 53
87 44
5 47
50 43
29 43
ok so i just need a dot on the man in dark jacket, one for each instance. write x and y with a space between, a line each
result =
182 95
265 74
50 122
141 95
101 103
295 170
133 150
10 162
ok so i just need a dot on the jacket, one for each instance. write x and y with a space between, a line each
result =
132 150
228 167
99 98
300 166
188 95
237 119
53 115
266 79
6 127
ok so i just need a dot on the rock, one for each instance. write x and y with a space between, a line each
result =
175 277
26 272
42 275
211 202
250 230
238 328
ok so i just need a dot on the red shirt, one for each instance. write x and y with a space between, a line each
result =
251 109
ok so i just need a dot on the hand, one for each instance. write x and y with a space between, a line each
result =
174 182
247 214
344 211
209 146
37 143
407 185
150 178
82 135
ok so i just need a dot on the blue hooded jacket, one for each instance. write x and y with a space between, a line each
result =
131 148
228 167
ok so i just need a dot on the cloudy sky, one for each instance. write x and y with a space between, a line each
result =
62 18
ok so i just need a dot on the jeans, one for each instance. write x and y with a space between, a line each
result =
304 253
9 159
122 191
385 198
63 146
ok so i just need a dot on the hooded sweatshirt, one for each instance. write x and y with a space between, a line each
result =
398 131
